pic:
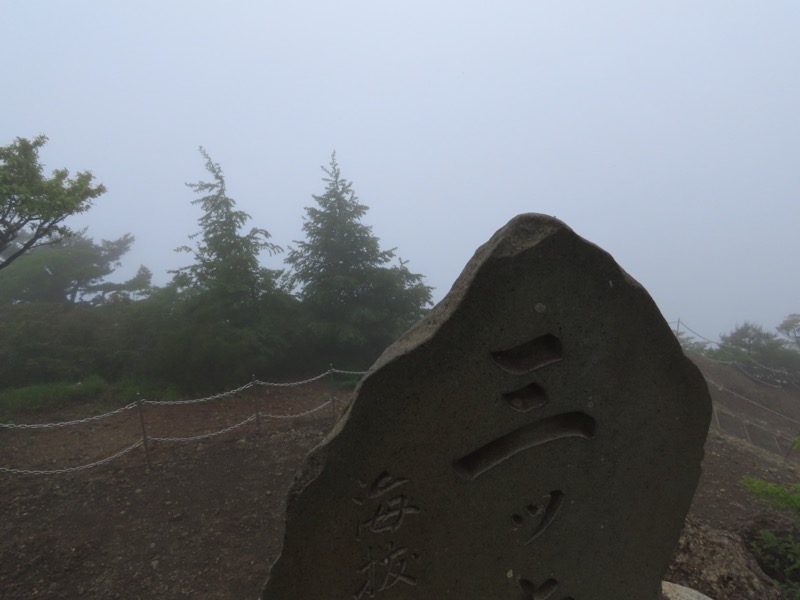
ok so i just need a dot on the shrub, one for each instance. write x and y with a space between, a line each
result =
778 552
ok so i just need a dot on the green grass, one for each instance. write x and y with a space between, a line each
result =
778 552
93 394
48 396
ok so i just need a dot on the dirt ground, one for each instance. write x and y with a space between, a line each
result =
204 520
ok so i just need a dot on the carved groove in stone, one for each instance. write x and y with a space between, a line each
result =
532 355
527 398
555 499
488 456
542 592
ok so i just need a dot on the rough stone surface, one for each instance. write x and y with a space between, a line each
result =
729 570
538 435
678 592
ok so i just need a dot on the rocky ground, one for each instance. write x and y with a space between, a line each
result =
204 520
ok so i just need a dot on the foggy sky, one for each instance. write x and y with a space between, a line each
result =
668 133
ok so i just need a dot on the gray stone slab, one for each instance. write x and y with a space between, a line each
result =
537 436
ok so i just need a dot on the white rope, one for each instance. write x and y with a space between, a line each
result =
198 400
169 439
179 402
72 469
294 383
757 379
769 410
66 423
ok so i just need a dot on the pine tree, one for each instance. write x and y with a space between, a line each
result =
226 262
357 303
227 313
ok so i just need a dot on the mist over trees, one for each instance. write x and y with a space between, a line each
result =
72 270
773 357
223 317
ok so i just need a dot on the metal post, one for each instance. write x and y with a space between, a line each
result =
255 404
144 431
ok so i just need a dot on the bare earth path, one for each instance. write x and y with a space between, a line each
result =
205 521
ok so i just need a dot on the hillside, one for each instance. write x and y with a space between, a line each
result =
751 431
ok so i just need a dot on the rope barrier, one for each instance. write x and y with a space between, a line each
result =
294 383
66 423
72 469
146 439
756 379
249 419
758 404
340 372
198 400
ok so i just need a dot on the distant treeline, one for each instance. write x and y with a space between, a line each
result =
221 319
773 356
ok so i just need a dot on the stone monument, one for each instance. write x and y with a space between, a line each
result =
538 436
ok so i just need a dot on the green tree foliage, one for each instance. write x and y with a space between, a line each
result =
225 261
690 343
752 343
33 207
72 270
751 339
228 311
357 303
61 321
42 342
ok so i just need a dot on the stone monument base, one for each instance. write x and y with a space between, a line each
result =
672 591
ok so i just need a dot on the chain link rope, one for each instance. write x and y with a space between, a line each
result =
103 461
132 405
66 423
198 400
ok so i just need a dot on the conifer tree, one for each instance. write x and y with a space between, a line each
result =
226 325
226 261
357 301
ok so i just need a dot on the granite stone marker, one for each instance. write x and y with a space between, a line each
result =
538 436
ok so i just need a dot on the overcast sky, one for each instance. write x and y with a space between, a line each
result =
666 132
